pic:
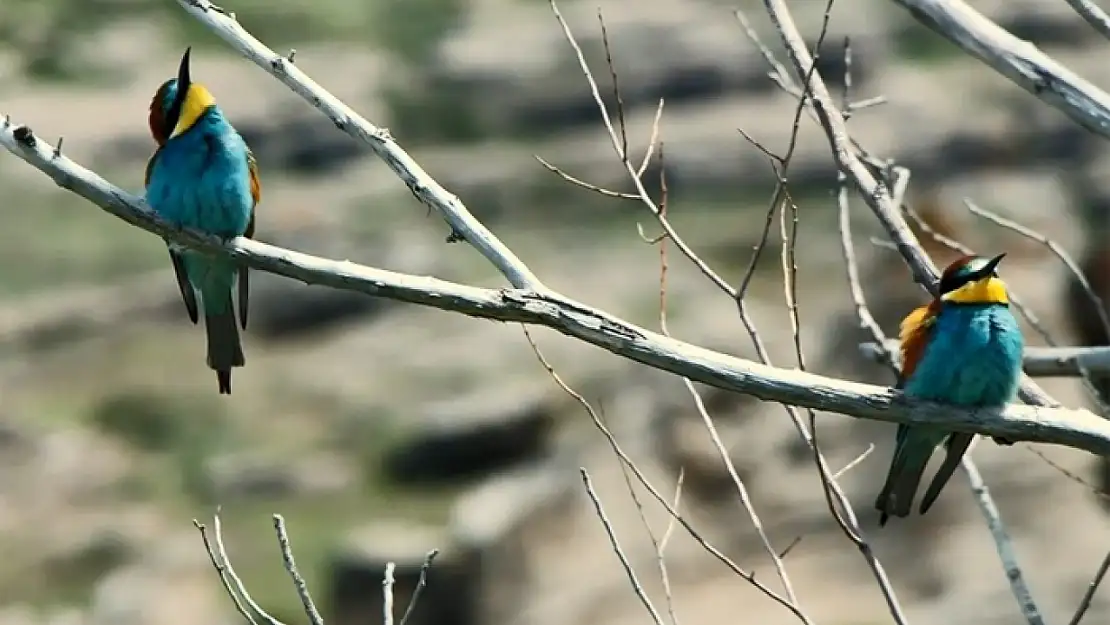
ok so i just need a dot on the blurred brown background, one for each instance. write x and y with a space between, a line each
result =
382 430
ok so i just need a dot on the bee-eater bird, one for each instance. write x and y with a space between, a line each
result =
203 176
963 348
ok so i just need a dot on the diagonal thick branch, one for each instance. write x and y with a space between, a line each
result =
464 226
1018 60
1074 428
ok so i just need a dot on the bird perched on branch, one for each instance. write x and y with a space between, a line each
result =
203 176
963 348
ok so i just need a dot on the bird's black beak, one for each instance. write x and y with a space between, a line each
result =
183 80
989 268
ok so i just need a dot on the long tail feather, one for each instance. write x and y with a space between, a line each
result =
244 295
244 280
225 350
188 294
955 448
911 457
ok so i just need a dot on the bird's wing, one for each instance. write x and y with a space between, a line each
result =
188 295
256 195
256 186
913 334
150 166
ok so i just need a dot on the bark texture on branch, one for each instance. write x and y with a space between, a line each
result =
1074 428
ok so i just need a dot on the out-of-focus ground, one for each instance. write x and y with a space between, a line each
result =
382 430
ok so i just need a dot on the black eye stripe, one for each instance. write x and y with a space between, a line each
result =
954 281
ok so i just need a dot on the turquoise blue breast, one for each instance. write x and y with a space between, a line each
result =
973 357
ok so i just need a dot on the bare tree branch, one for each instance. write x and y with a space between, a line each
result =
429 192
1002 542
1018 60
1094 16
1076 428
217 553
286 547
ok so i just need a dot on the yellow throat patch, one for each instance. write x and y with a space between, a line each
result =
197 101
989 290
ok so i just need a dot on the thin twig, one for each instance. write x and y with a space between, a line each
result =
291 568
1002 542
626 472
627 461
1053 247
585 185
420 584
1092 588
636 180
219 563
241 588
661 546
836 500
855 462
1094 490
615 544
387 593
661 549
848 248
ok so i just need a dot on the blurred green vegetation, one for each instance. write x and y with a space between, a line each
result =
156 423
68 242
171 437
48 34
916 43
